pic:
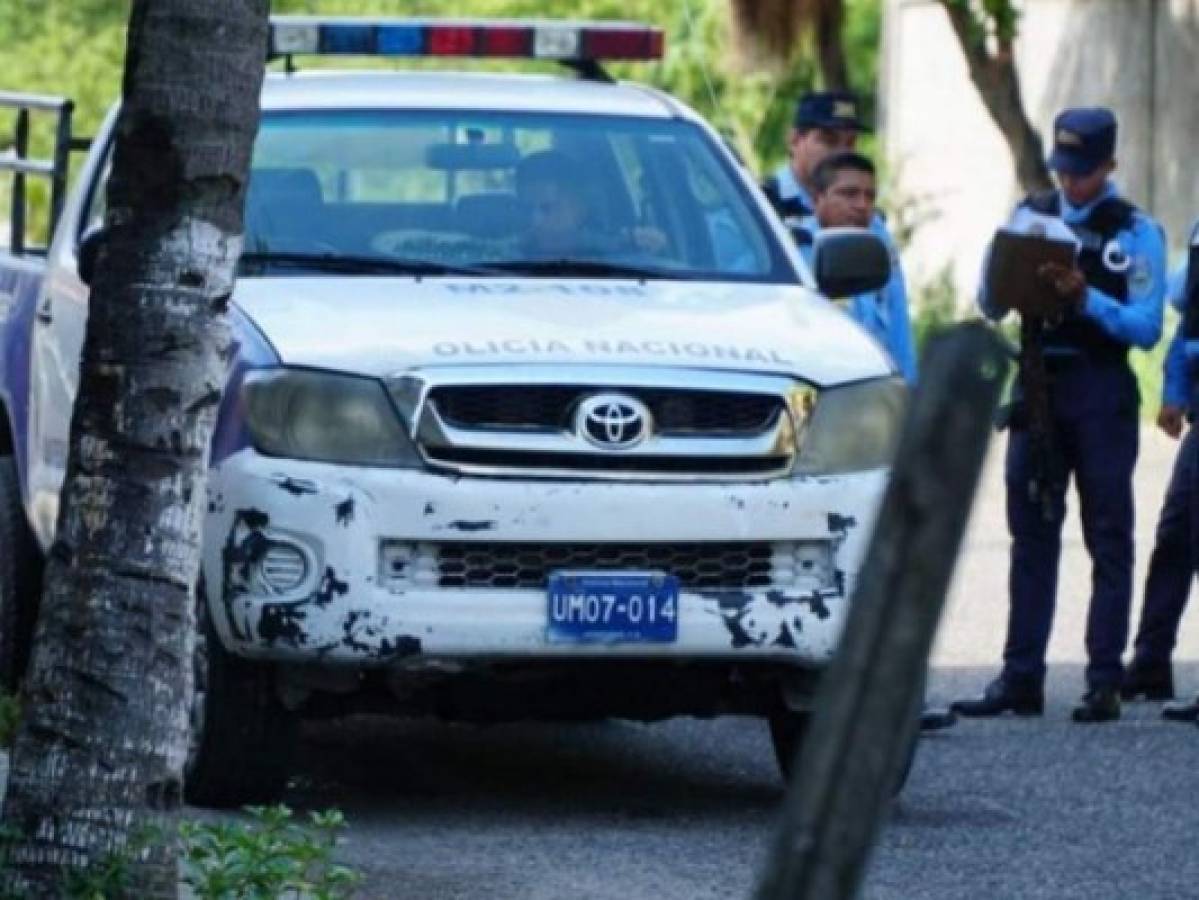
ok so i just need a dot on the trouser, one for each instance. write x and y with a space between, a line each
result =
1172 565
1096 435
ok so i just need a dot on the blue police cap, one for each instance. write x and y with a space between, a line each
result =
1083 140
829 109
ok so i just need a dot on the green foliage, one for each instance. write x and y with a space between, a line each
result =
936 306
10 718
999 19
112 878
1003 18
269 859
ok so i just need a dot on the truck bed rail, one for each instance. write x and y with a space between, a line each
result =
18 162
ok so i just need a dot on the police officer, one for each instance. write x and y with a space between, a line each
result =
826 122
844 190
1111 300
1175 557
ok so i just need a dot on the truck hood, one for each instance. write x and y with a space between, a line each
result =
382 326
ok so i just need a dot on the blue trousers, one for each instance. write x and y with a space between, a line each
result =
1172 565
1096 434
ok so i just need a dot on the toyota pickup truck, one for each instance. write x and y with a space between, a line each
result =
535 412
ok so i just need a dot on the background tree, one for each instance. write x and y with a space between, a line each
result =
777 26
986 30
100 752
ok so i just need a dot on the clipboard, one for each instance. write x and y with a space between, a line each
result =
1011 278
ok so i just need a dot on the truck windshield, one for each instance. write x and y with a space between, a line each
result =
492 193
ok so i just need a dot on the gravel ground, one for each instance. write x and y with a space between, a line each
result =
1039 808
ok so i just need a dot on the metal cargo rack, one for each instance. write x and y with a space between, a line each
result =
18 162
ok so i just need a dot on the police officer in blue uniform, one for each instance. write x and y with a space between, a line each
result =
843 193
845 188
1111 301
1175 552
826 122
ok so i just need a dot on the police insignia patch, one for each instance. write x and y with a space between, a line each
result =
1115 258
1141 277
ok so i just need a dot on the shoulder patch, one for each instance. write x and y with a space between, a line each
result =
1140 278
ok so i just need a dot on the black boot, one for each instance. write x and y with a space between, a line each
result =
1099 704
1003 696
1151 681
935 718
1182 711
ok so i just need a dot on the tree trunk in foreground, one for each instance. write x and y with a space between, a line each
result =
867 709
100 753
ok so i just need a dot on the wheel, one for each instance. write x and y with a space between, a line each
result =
789 729
906 769
242 738
787 732
20 580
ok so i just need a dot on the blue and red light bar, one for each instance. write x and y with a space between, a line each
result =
497 38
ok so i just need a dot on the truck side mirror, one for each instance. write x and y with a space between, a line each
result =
849 261
89 250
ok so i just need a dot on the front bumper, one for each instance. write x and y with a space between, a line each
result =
348 607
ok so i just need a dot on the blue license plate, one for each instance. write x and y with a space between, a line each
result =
607 607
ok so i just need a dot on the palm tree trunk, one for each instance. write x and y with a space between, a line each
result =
101 749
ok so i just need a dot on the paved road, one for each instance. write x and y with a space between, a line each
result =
1004 809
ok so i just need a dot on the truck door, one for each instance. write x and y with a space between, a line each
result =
57 344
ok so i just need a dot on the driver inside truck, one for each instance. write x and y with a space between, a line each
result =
561 210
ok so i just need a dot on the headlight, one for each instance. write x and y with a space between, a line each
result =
853 428
321 416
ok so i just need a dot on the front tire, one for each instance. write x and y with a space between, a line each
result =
20 580
243 739
789 729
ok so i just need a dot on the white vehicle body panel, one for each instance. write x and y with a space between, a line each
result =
348 611
381 326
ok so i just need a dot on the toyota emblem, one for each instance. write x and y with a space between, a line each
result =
613 421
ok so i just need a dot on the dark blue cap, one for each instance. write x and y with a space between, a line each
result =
1083 140
829 109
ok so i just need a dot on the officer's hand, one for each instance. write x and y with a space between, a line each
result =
1067 282
1169 420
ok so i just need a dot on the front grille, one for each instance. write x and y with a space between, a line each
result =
551 407
748 466
699 566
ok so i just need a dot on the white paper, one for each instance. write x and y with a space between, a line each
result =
1034 224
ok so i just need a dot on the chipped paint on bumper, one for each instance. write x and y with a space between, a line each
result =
344 610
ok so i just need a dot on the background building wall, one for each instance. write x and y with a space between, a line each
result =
1140 57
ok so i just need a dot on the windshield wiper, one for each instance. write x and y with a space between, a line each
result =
355 265
594 267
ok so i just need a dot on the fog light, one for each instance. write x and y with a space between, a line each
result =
804 565
283 568
404 565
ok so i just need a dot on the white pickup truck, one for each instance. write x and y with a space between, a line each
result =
535 412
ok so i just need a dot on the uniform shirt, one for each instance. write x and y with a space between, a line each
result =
1139 321
1182 355
884 313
